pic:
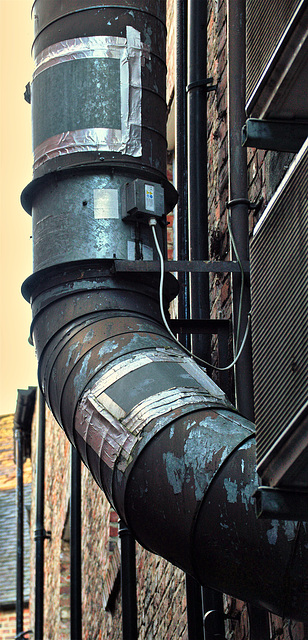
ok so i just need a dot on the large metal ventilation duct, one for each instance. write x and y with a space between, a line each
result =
163 442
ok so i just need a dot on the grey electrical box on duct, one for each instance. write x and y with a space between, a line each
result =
142 200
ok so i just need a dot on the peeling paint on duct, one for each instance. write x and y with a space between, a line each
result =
290 527
246 445
71 350
247 493
89 336
272 534
231 489
83 369
108 346
175 469
198 452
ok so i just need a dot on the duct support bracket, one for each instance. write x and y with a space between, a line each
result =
189 266
206 326
274 135
281 504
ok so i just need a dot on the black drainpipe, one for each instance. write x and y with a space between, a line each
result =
75 547
40 534
197 90
181 155
238 193
194 606
197 166
22 450
128 583
175 459
238 204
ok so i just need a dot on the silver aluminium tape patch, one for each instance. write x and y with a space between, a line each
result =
119 431
131 53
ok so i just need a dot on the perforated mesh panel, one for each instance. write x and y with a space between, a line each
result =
265 24
279 289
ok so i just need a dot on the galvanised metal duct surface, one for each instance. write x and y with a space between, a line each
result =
160 438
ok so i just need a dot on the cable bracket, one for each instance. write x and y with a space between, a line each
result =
205 82
252 206
42 534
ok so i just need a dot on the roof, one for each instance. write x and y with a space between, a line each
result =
8 546
7 464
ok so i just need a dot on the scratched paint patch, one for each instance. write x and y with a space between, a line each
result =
175 469
290 529
247 493
272 534
83 371
231 489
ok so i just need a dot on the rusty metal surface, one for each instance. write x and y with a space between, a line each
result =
172 460
188 453
266 559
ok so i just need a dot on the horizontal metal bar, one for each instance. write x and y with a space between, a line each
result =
276 135
281 504
181 325
197 266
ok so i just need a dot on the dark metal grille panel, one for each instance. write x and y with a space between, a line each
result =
279 290
265 24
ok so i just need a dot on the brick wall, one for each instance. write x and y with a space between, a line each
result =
8 623
57 492
160 587
161 598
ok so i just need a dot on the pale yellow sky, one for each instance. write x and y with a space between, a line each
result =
17 359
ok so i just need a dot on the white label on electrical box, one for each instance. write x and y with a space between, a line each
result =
149 197
130 250
106 203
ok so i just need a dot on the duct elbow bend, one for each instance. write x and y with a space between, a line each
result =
164 443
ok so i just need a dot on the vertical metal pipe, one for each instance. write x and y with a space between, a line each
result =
39 528
238 190
128 583
214 628
194 609
198 237
19 439
75 548
197 165
258 623
181 152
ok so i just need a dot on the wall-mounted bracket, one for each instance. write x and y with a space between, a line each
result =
189 266
205 82
275 135
281 504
